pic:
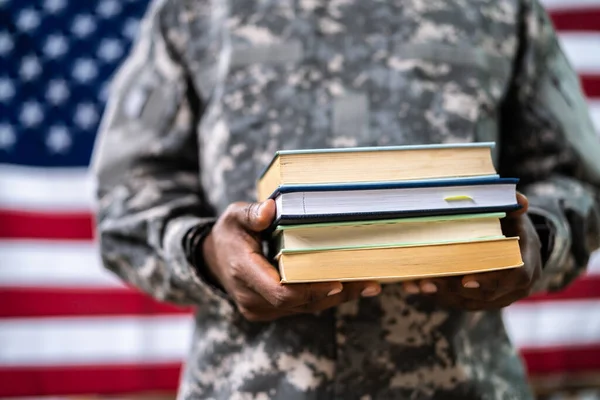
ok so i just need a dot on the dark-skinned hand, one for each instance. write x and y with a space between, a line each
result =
491 290
234 257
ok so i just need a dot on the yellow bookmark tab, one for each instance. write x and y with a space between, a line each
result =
458 198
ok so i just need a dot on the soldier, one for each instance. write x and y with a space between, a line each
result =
213 87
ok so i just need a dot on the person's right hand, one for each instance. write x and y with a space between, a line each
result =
233 254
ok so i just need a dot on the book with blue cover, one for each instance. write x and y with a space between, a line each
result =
300 204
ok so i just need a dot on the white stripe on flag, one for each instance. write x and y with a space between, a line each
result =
53 264
114 340
569 4
583 50
69 341
557 323
70 264
40 189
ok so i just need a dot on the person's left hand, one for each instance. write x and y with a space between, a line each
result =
491 290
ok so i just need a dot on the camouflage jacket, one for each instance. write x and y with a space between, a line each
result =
213 87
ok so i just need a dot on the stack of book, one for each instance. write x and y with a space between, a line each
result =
388 213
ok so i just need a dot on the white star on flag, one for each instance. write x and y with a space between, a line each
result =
58 92
110 50
54 6
104 91
7 90
108 8
58 140
30 68
86 116
85 70
31 114
56 45
8 138
28 20
130 28
6 43
83 25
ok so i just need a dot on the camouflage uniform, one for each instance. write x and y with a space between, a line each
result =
214 87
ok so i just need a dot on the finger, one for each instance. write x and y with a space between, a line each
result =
447 294
264 315
451 287
454 302
448 300
492 286
260 276
428 286
411 287
352 291
497 304
448 285
512 227
254 217
367 288
249 299
487 286
523 202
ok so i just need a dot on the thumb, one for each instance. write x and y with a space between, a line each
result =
523 202
256 217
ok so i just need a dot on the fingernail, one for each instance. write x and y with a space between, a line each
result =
429 287
471 285
335 291
370 291
411 288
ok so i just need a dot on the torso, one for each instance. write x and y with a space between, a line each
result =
339 73
293 74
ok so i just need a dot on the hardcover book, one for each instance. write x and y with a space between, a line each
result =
375 164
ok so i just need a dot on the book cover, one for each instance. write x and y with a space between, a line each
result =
421 183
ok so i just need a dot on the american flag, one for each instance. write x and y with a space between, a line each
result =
69 327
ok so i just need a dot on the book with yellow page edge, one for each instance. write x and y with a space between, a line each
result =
375 164
395 250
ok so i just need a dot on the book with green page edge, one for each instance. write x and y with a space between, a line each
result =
382 233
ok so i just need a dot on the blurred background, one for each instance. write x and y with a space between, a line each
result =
68 328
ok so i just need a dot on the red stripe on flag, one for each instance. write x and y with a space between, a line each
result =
53 302
581 19
562 359
83 302
49 226
109 379
591 85
586 287
123 379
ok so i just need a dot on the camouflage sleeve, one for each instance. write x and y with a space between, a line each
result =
147 169
549 142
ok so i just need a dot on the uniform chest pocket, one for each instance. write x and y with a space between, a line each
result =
286 52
